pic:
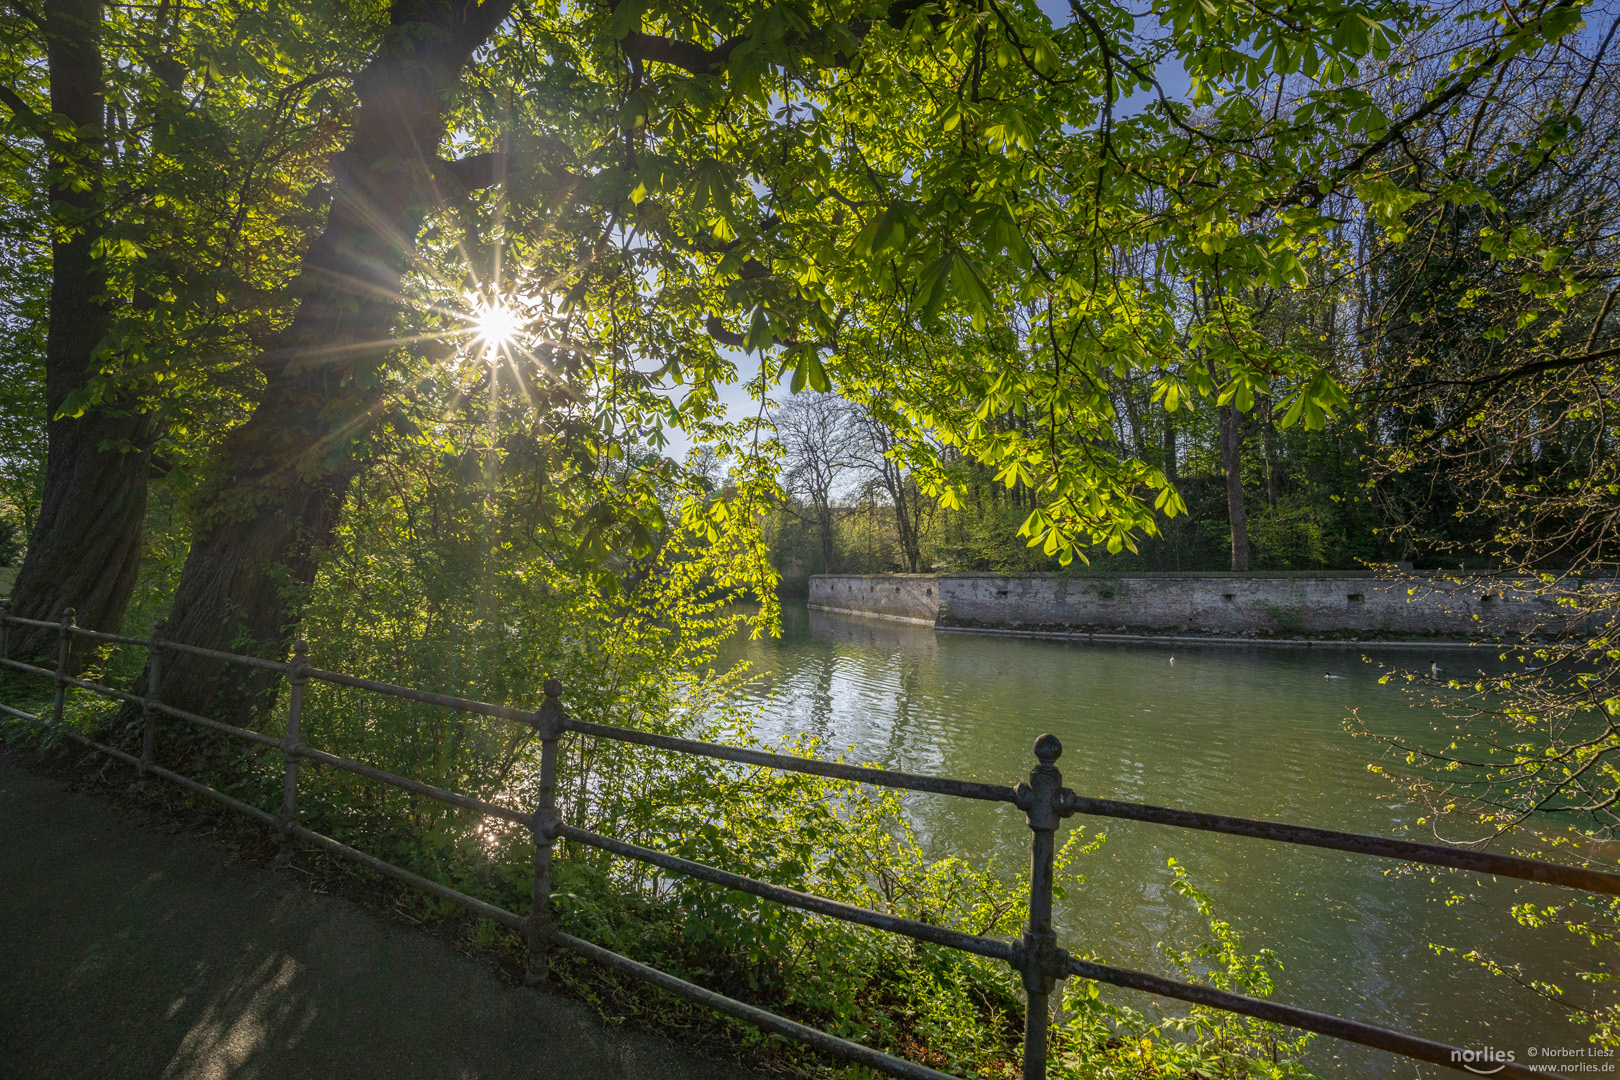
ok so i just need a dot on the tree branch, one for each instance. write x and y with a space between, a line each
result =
1398 129
716 328
480 23
476 172
16 104
693 59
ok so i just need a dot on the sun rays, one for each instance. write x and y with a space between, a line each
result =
495 326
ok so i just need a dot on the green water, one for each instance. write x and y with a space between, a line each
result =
1256 732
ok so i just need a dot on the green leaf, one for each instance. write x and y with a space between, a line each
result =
933 287
971 289
627 18
759 335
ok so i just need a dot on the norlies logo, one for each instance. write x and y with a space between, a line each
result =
1486 1061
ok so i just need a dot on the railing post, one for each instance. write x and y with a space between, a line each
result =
1041 800
296 678
154 678
5 630
542 928
64 645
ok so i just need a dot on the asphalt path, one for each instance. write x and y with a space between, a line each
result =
127 951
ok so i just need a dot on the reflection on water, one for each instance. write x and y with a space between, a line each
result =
1253 732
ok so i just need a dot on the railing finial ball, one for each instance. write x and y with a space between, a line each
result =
1048 749
301 648
553 688
67 615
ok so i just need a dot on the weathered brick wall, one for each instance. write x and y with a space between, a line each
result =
1229 603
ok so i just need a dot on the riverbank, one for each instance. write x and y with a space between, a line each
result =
1322 608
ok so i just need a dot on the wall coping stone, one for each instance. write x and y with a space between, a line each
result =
1224 575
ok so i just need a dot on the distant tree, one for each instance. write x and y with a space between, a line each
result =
706 467
876 450
821 443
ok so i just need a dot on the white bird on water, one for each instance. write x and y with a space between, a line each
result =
1434 670
1330 675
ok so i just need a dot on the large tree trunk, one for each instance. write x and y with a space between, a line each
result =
284 472
1232 464
84 548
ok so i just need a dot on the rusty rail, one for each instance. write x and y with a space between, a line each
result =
1043 798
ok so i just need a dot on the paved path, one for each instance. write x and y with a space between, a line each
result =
125 952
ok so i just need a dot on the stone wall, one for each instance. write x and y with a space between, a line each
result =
903 597
1274 604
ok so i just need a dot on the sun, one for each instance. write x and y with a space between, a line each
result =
496 325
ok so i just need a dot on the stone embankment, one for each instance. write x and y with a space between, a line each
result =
1344 605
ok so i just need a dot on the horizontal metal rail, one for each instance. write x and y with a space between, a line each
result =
819 905
387 869
1288 1015
18 665
98 688
483 708
229 658
405 783
42 624
204 790
97 635
1483 862
218 725
18 713
156 770
936 785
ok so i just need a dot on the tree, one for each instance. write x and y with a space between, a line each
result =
283 473
877 451
171 195
1490 380
84 547
820 444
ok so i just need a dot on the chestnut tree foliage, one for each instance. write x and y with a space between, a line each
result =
669 184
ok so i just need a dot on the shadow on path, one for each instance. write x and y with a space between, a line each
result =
125 952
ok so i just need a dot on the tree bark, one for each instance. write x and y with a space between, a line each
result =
84 548
284 472
1232 464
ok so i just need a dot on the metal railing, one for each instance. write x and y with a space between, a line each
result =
1043 798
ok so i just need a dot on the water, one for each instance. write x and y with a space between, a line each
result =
1252 732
